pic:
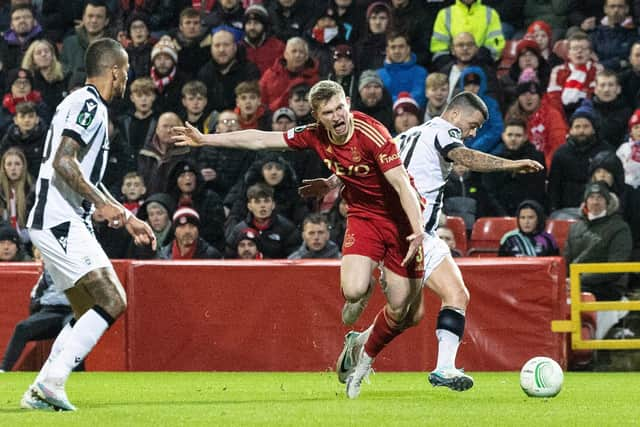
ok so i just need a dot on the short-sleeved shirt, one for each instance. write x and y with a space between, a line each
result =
424 151
81 116
360 163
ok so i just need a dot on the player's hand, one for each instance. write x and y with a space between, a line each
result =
187 136
317 187
526 166
141 232
415 243
112 213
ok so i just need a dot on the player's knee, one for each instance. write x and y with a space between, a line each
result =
352 293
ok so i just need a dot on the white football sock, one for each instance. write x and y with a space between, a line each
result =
84 336
448 343
56 348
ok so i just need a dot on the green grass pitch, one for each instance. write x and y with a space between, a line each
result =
299 399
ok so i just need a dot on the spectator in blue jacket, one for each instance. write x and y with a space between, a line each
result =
400 72
487 138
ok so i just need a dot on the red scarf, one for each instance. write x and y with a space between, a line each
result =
133 206
9 101
208 5
162 82
176 254
137 4
252 122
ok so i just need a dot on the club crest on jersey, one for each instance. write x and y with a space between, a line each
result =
349 240
88 112
355 155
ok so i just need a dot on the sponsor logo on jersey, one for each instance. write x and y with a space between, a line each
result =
385 158
88 112
351 170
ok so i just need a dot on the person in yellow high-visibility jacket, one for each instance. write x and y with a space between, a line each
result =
468 16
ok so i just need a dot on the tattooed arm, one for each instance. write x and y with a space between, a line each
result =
481 162
67 167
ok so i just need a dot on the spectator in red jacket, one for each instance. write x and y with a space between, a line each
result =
289 70
262 48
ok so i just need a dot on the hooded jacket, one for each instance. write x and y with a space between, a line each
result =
277 240
605 239
206 202
31 144
536 243
276 82
488 137
404 77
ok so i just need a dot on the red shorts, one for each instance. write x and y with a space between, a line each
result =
383 241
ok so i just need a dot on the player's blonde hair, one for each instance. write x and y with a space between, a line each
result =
323 91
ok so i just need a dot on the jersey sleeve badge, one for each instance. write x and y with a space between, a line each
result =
87 113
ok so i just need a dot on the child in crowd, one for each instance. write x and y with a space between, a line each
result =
133 191
298 102
27 132
19 84
437 90
138 128
249 107
194 101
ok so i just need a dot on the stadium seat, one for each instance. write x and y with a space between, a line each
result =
486 235
559 228
507 58
456 224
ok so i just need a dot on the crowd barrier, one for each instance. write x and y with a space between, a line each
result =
280 315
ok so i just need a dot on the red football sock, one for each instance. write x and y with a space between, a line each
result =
384 330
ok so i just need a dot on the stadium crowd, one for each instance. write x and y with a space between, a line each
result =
561 80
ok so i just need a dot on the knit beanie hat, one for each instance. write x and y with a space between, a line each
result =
367 77
258 13
405 103
10 234
165 45
541 25
186 215
585 110
528 44
634 119
599 187
378 6
528 82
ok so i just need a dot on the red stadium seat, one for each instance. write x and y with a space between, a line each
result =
559 228
456 224
507 58
487 233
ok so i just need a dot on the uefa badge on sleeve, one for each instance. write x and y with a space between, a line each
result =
88 112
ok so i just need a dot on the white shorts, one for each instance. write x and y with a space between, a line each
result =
434 250
69 250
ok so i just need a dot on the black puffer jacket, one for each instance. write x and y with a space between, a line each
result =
278 240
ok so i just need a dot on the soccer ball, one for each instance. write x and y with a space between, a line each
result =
541 377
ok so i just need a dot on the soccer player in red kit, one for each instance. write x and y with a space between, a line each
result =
384 223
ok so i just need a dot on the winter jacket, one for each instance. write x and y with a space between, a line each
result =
553 12
606 239
264 53
612 45
277 240
630 84
535 243
140 60
31 144
170 99
288 202
465 196
480 20
330 251
382 111
52 92
546 127
229 164
370 52
404 77
155 166
488 137
417 18
124 126
561 94
629 154
614 118
220 16
322 52
506 190
221 84
192 54
277 82
12 49
293 21
203 251
73 49
206 202
570 171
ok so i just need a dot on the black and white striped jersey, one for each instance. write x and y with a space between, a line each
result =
81 116
423 150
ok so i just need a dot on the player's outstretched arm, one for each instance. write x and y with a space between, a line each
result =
66 165
399 180
481 162
249 139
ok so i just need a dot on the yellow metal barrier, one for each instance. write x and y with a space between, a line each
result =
577 306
